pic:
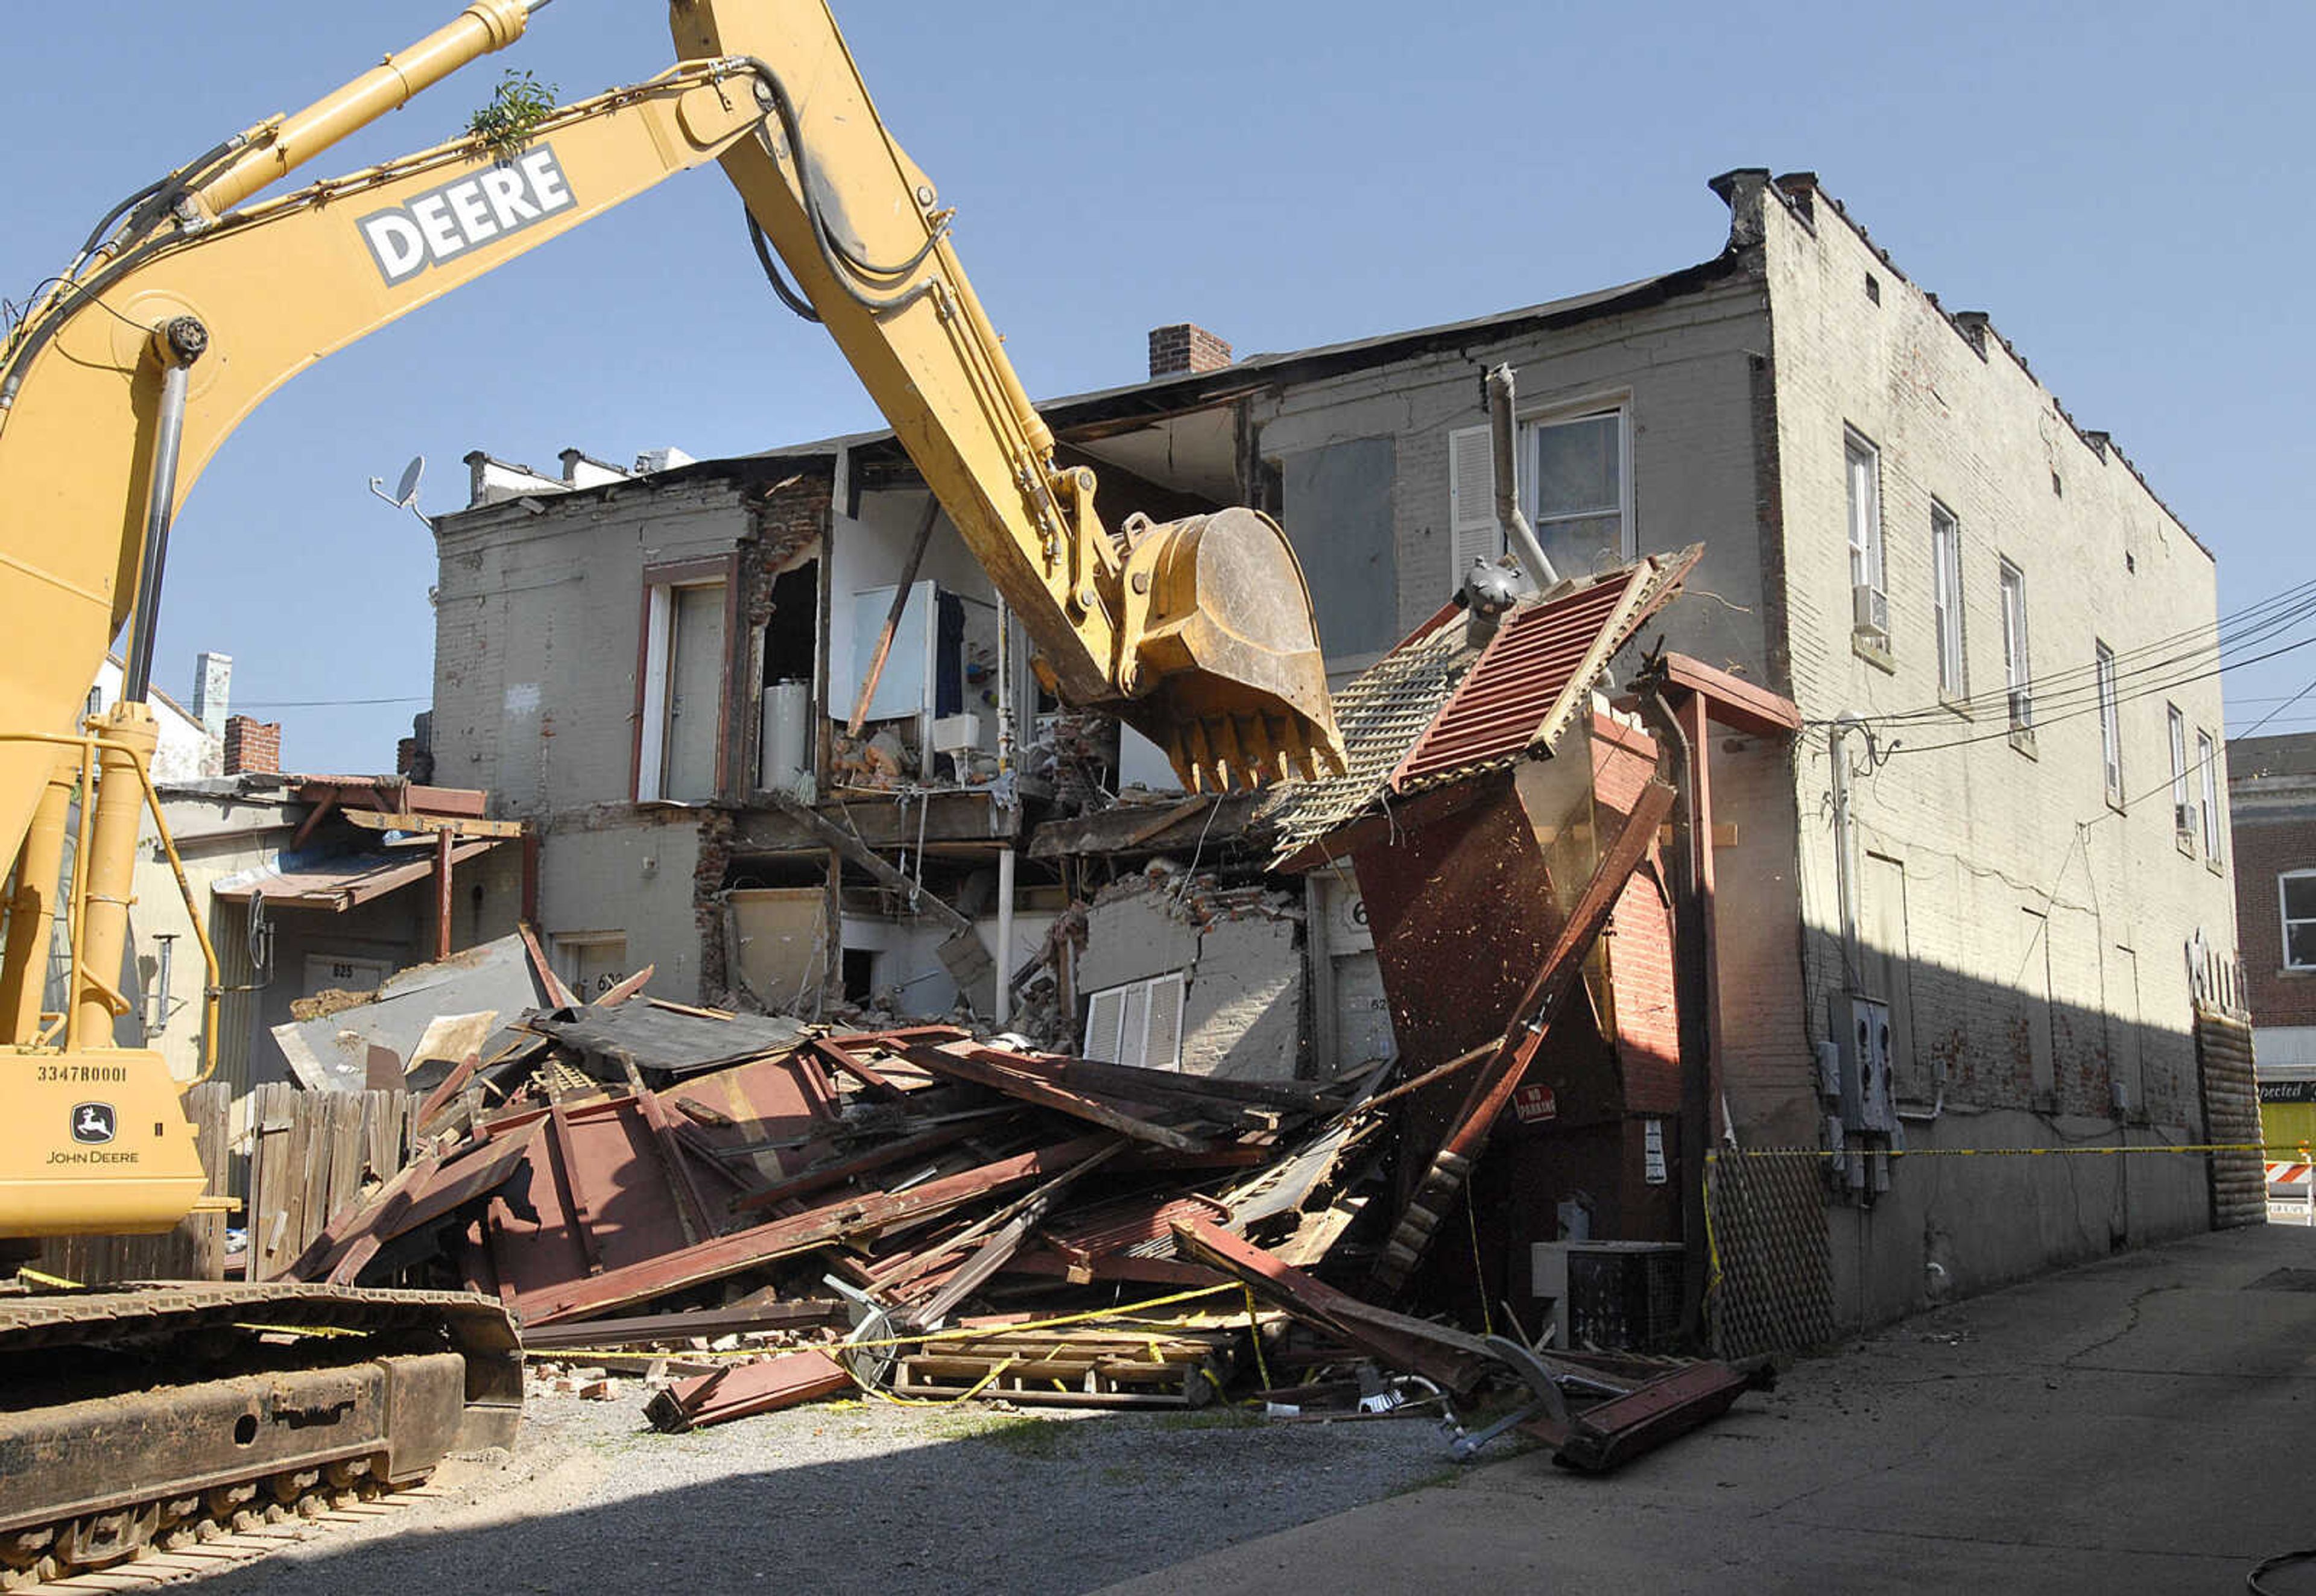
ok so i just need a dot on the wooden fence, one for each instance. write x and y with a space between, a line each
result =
194 1250
311 1154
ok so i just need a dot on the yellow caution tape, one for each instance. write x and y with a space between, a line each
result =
2065 1152
981 1333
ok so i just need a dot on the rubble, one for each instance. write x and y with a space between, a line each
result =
754 1213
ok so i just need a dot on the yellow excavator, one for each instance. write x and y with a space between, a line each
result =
131 1418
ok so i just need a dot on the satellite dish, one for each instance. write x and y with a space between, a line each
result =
405 493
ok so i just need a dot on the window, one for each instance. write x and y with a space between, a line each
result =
1574 494
2016 678
1945 591
1864 476
1574 488
2110 725
2207 761
2183 811
2297 890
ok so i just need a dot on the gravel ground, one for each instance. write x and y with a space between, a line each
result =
844 1498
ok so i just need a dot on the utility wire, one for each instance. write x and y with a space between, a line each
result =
2095 706
2250 624
320 702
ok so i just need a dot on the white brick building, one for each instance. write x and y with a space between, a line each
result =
1901 526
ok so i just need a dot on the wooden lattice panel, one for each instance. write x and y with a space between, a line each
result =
1775 1290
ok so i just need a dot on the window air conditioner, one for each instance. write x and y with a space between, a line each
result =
1870 612
2183 819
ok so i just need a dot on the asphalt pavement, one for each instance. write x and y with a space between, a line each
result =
2144 1423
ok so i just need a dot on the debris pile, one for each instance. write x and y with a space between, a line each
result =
755 1213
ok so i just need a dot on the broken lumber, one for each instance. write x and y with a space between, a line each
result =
746 1390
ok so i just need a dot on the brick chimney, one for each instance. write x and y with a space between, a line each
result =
1185 347
252 746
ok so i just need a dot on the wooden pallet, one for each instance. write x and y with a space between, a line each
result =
1063 1369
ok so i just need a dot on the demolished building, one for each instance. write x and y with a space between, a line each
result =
1892 661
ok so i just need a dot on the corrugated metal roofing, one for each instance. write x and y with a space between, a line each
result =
1506 701
1438 709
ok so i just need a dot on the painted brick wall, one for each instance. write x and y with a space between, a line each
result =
537 636
1681 368
2034 1018
1983 830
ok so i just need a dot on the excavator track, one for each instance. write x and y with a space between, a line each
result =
209 1547
158 1422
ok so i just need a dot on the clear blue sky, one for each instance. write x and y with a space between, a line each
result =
2121 186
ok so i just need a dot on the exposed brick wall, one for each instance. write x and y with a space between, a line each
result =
1186 347
2264 850
1640 964
252 746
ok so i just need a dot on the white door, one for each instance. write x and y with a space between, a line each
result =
695 694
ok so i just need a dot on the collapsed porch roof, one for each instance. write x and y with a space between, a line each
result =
345 883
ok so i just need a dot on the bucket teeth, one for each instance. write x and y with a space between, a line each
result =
1223 732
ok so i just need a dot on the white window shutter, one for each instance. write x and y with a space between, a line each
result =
1162 1049
1101 1024
1473 532
1133 1024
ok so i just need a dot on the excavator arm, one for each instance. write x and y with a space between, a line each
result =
157 343
1200 631
198 297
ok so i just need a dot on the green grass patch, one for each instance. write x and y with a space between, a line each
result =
1048 1440
1221 1416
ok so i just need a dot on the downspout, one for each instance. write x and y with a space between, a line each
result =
1692 999
1504 449
1845 868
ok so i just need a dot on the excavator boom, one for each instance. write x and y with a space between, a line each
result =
193 300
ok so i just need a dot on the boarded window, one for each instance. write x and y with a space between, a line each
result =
1338 512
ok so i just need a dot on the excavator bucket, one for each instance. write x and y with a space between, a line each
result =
1226 672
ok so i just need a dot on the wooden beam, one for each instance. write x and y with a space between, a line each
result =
876 672
964 1061
371 819
839 840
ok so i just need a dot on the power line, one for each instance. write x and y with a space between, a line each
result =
2253 623
2095 706
321 702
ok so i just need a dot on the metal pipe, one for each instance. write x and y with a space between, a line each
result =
212 979
1504 439
180 343
1005 744
1004 936
484 26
